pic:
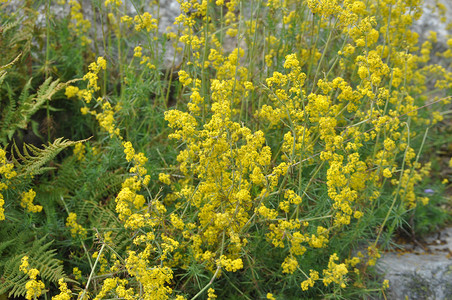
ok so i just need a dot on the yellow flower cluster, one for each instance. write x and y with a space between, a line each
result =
34 287
313 276
410 178
113 3
373 254
129 200
65 293
211 294
335 272
325 120
91 77
155 280
231 265
137 51
165 178
115 284
27 201
6 173
76 229
106 115
145 21
130 205
270 296
232 168
289 265
144 59
79 24
77 273
79 151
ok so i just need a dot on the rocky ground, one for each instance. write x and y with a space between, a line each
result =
422 270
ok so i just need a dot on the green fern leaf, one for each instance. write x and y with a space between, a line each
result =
41 257
9 65
28 105
33 159
8 26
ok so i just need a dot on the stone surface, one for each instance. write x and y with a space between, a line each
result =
420 272
431 21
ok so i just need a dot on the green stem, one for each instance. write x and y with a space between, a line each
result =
47 66
92 272
323 56
207 285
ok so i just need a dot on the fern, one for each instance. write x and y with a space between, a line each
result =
41 257
11 117
2 76
8 65
89 192
90 195
8 26
28 105
33 159
22 31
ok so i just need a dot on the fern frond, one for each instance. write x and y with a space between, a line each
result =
12 280
2 76
9 65
33 159
91 196
12 116
12 239
50 268
105 187
24 35
24 97
41 257
28 105
8 26
68 176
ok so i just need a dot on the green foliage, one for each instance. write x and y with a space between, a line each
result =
41 254
17 114
33 159
430 218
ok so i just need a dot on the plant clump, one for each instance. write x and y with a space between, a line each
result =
274 158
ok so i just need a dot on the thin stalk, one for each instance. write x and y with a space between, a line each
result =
47 66
121 72
92 272
207 285
306 189
104 42
323 56
214 275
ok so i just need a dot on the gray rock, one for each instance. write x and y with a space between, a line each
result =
431 21
421 273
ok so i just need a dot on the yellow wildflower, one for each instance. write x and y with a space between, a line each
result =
27 201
